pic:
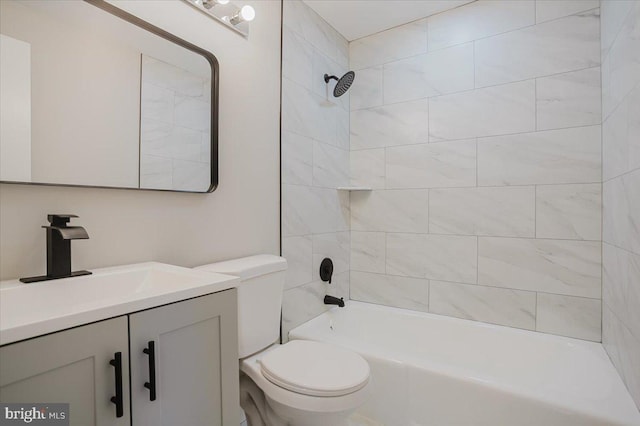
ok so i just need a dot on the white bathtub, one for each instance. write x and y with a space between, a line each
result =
438 371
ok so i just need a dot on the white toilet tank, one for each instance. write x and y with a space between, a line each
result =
259 298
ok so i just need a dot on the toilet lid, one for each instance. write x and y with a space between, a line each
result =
315 369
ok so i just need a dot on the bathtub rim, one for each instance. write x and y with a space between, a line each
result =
575 405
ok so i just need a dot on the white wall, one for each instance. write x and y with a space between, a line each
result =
315 161
240 218
621 188
479 130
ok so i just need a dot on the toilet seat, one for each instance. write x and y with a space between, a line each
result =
315 369
251 366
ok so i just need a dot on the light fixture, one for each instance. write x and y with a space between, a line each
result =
208 4
245 14
225 11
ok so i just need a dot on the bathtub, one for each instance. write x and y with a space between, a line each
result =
434 370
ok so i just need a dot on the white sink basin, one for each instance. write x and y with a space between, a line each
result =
29 310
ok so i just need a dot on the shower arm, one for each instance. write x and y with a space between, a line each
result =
328 77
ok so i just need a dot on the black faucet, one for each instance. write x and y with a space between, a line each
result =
59 237
330 300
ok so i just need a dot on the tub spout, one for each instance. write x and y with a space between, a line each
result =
330 300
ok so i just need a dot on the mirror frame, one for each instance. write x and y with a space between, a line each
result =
215 71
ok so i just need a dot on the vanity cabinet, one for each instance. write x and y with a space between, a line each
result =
71 366
195 349
185 352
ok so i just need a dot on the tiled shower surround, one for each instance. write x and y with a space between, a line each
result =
315 161
479 131
621 176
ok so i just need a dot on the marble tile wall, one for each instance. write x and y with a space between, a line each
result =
620 50
315 161
175 139
479 130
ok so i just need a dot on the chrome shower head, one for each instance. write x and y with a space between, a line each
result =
343 83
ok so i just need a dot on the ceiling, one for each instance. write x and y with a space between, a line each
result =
359 18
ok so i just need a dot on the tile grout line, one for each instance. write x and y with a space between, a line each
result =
477 165
480 285
535 211
615 314
535 314
385 253
620 176
473 88
626 250
535 102
468 187
469 138
480 236
618 32
474 66
457 44
620 102
601 186
621 321
428 211
384 153
382 85
477 285
477 261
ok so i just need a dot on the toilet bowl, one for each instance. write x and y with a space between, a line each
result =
299 383
309 383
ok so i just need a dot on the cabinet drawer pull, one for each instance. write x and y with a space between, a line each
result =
117 363
151 384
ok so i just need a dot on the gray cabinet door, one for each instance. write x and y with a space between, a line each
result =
196 363
72 367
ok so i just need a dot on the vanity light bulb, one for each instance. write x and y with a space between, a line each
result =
208 4
245 14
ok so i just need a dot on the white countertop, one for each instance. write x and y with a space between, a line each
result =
30 310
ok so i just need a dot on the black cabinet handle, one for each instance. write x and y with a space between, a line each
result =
151 384
117 363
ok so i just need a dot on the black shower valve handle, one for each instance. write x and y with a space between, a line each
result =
326 269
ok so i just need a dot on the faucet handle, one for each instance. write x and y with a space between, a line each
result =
70 232
326 269
59 219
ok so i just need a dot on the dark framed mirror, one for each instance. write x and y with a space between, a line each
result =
92 95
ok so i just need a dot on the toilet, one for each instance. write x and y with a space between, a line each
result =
299 383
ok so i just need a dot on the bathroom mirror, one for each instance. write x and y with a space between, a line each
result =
93 96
